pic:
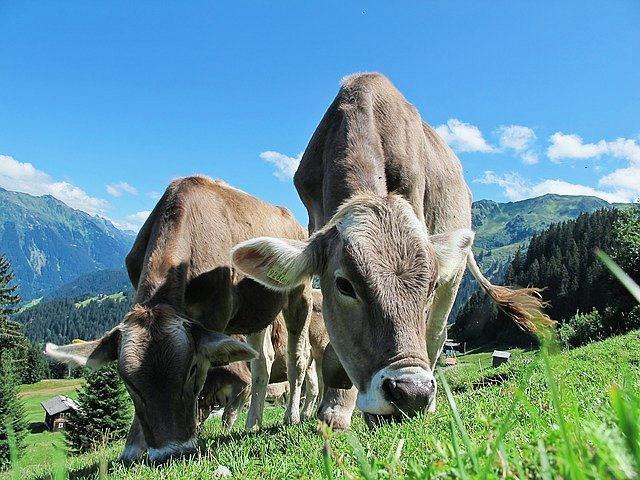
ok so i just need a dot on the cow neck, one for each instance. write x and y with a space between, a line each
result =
167 289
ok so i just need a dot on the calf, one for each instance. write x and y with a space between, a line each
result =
186 289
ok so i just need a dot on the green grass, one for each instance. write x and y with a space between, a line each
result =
572 414
42 446
118 297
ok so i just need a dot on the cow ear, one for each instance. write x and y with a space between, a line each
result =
220 349
452 249
93 354
276 263
333 373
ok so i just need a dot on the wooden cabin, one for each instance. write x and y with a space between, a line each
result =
57 412
452 345
499 357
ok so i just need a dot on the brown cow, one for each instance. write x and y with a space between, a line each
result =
186 289
390 214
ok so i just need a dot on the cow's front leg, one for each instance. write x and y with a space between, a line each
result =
297 314
136 444
311 391
260 372
337 407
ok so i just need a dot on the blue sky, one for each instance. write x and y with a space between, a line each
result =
103 103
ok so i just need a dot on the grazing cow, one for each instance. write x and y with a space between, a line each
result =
390 215
186 289
229 387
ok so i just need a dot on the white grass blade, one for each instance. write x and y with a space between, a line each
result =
620 274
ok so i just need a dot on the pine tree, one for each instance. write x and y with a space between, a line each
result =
104 411
12 413
12 337
9 299
37 366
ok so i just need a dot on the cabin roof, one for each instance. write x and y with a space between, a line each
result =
59 404
501 354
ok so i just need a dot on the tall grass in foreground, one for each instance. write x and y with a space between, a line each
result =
548 415
581 448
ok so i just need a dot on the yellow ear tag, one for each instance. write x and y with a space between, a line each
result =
278 274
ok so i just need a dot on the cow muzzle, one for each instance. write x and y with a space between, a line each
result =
398 393
172 451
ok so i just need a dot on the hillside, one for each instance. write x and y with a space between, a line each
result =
102 282
503 227
50 244
64 319
539 416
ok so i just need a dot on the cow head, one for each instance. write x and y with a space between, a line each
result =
163 360
378 269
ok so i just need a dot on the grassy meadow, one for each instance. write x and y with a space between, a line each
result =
570 414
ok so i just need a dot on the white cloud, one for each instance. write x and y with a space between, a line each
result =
285 166
519 139
516 137
133 221
624 180
24 177
117 189
529 157
154 195
571 146
517 188
463 137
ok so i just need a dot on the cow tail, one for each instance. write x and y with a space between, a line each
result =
524 305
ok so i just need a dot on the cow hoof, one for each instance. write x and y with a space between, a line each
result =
292 419
335 418
252 425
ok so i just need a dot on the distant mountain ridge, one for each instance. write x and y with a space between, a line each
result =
49 243
501 228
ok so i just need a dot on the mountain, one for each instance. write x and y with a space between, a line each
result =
501 228
102 282
49 243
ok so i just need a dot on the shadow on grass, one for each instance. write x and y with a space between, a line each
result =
225 438
36 427
488 381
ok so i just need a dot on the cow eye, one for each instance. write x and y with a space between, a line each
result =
345 287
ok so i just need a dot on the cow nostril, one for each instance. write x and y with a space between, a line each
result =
391 389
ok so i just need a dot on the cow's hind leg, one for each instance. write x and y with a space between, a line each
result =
297 314
260 372
311 392
437 322
231 410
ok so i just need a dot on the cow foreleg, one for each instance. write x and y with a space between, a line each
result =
443 301
297 315
260 372
312 391
337 407
136 444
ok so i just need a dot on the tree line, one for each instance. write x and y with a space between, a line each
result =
581 293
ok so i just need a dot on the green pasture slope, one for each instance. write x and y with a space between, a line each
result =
43 445
572 414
